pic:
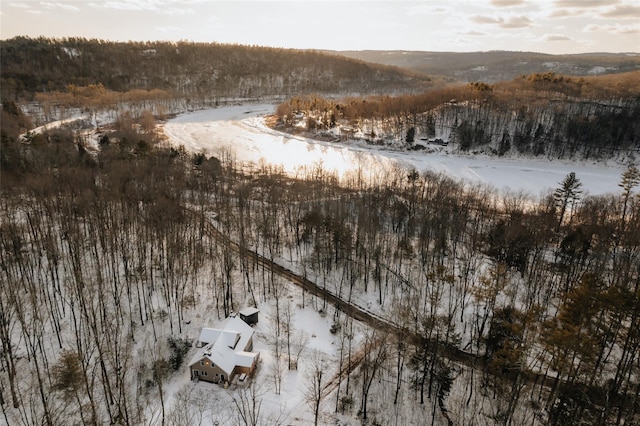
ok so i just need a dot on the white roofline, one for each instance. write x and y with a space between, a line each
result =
220 353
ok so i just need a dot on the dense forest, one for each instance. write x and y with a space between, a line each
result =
538 114
187 69
481 307
498 309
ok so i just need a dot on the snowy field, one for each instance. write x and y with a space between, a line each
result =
241 130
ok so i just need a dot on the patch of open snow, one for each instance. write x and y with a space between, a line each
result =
600 70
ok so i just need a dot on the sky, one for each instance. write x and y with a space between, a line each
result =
548 26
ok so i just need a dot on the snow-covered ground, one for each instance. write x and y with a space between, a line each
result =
288 407
241 130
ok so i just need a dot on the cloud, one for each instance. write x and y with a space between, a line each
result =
613 29
581 4
606 9
37 8
562 13
556 37
64 6
507 3
425 9
20 5
128 5
596 9
517 22
510 23
474 33
163 7
484 19
623 11
176 11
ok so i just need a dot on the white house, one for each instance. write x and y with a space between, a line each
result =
224 352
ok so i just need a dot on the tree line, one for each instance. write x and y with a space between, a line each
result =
188 69
541 114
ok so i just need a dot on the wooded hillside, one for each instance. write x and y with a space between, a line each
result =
496 66
539 114
189 69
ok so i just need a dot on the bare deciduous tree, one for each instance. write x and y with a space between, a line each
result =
248 403
314 387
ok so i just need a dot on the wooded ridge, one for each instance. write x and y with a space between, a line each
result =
209 70
495 66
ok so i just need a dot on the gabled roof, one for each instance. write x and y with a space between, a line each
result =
230 338
208 335
226 350
246 359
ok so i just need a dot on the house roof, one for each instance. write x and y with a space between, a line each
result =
208 335
246 359
227 349
248 311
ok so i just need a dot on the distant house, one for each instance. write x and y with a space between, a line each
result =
250 315
225 352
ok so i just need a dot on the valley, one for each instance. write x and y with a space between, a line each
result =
415 248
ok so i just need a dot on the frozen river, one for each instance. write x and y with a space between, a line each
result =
241 131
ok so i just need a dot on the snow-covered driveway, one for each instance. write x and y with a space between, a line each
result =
241 130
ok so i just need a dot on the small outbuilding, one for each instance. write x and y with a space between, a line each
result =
249 315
